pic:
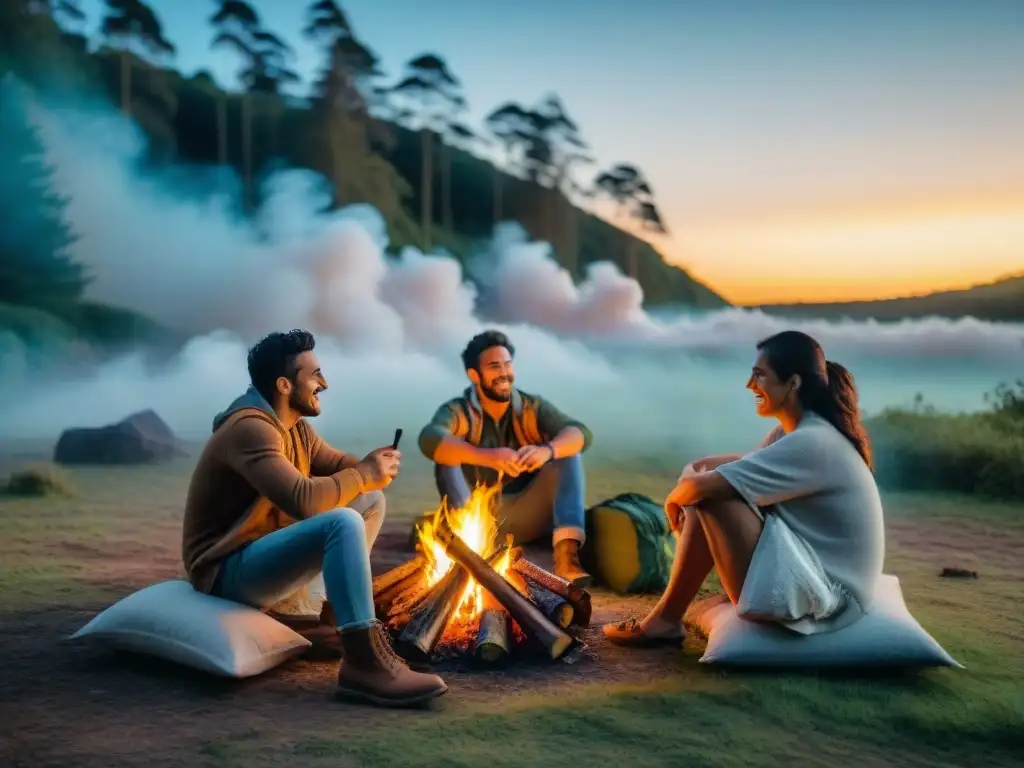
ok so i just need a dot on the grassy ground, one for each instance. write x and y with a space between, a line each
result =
63 559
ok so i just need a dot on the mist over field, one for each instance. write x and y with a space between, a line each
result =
390 326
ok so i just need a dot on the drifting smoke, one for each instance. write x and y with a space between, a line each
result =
390 327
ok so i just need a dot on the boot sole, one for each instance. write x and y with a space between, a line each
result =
411 701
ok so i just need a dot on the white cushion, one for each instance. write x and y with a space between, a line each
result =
887 637
305 603
173 621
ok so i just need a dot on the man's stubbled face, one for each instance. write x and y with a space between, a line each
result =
495 374
307 385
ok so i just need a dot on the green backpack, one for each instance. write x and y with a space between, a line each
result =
629 545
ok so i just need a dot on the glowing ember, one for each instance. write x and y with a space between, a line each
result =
475 524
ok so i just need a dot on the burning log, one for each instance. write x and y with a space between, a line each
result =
401 611
390 586
399 593
431 608
577 596
494 636
399 573
554 606
420 635
533 622
492 640
516 580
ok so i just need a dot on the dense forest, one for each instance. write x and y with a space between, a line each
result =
399 143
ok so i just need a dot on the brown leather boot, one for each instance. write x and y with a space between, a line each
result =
567 563
336 651
372 672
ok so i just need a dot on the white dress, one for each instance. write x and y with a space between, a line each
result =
817 484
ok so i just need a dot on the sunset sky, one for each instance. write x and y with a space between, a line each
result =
800 150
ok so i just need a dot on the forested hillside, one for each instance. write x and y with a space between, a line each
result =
395 140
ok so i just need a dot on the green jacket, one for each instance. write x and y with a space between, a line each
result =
531 420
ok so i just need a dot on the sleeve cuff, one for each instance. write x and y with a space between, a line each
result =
351 483
734 477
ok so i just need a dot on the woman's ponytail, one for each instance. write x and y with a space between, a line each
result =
838 405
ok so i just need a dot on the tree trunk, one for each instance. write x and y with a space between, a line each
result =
499 187
631 259
247 150
337 164
567 222
333 140
427 187
222 129
547 216
275 114
446 186
126 83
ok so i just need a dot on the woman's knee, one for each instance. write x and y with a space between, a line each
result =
724 508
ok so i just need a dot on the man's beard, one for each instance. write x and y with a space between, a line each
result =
302 408
500 397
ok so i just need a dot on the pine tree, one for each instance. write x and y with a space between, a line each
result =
35 267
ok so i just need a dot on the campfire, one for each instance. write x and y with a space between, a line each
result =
466 592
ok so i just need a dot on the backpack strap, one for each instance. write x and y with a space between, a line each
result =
472 412
525 421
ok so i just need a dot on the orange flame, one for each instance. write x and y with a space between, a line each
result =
476 525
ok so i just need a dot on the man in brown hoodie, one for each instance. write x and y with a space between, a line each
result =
271 505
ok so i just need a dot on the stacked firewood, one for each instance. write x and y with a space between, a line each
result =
527 607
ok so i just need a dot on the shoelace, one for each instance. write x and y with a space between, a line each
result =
628 625
382 643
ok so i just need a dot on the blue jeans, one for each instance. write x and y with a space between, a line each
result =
551 501
337 542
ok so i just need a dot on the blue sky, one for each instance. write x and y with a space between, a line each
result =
771 131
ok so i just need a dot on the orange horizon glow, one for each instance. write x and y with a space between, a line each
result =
853 256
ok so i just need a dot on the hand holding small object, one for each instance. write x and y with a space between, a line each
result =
380 467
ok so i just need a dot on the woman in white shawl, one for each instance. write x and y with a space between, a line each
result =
814 472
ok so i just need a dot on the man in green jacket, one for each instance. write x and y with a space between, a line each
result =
494 428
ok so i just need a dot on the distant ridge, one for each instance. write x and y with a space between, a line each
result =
999 301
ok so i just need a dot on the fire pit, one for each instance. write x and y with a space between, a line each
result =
466 593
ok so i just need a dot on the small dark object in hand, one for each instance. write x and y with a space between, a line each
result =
958 573
398 436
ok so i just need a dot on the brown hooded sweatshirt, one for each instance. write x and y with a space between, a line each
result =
255 477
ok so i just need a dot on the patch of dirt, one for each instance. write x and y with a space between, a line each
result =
84 705
962 544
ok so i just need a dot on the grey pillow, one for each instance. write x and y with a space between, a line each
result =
887 637
173 621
